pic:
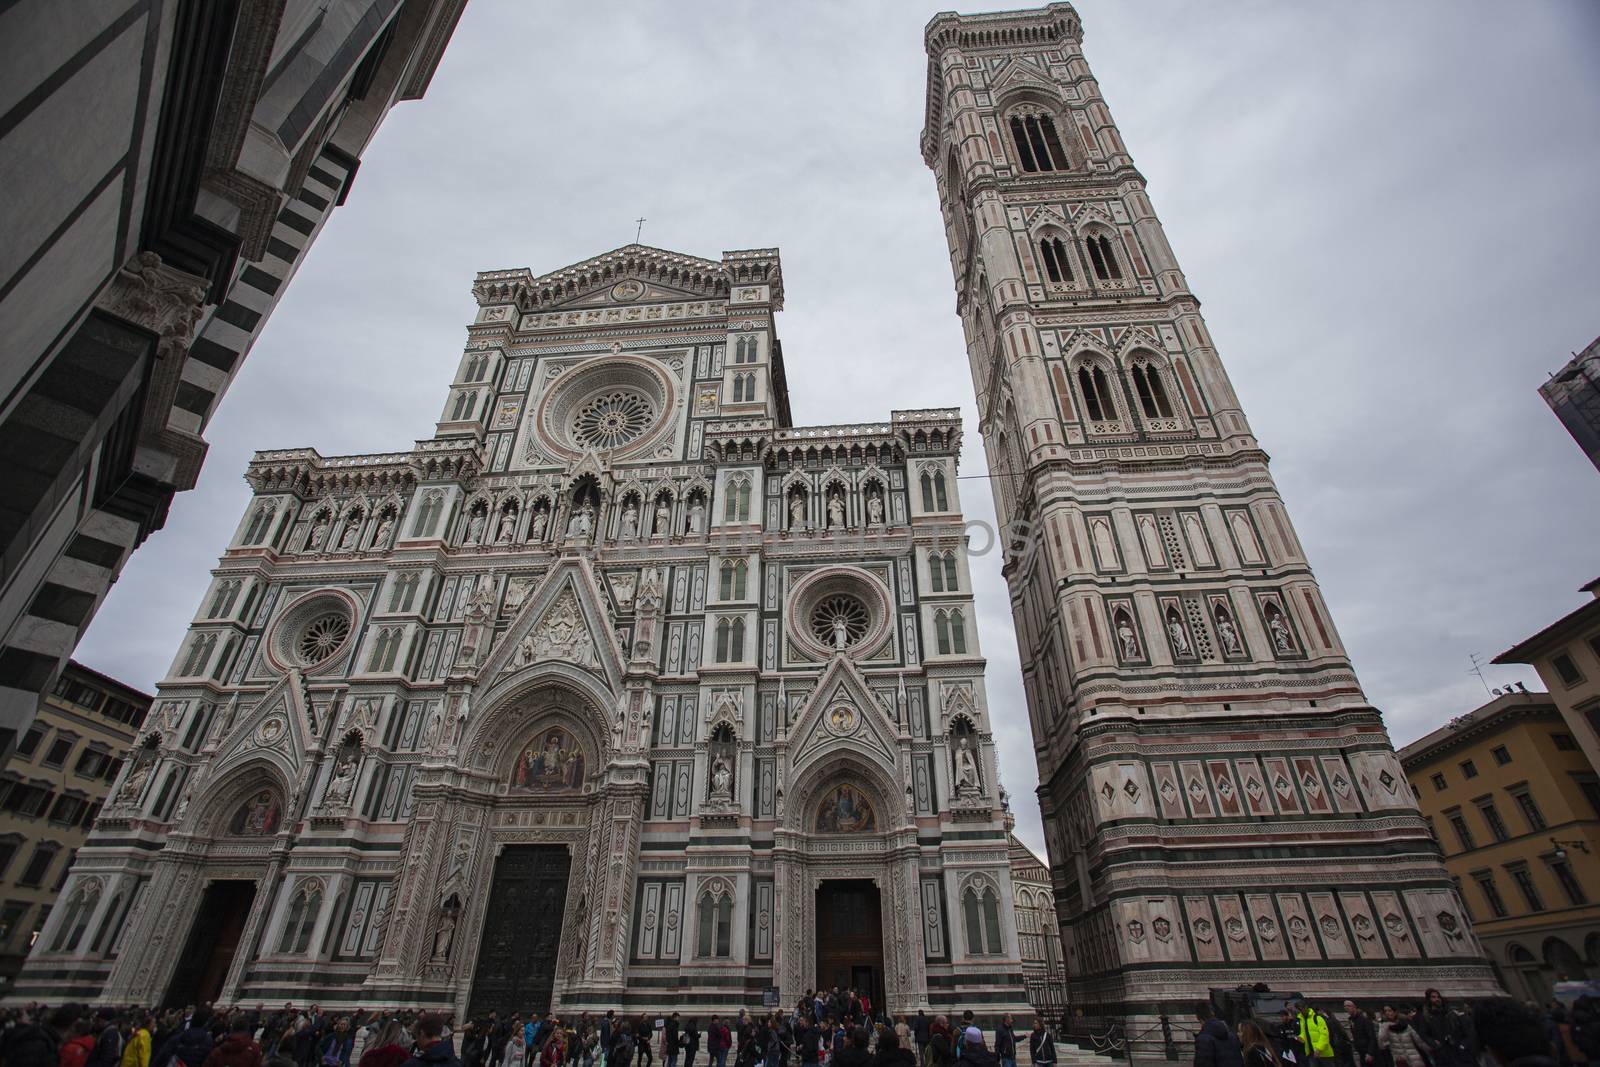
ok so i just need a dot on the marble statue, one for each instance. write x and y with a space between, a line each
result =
697 517
797 511
1229 635
875 510
663 519
836 511
508 525
1129 640
966 767
475 528
1281 640
1180 640
630 521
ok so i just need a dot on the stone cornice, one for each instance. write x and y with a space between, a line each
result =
307 472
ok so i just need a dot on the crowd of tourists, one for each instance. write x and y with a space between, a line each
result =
824 1029
1494 1033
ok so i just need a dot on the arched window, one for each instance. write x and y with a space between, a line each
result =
732 583
301 920
1096 389
980 913
1152 394
950 632
113 917
724 629
218 600
927 491
942 572
1056 264
951 584
736 500
76 920
1102 258
1038 147
991 921
749 386
738 388
736 641
716 926
258 526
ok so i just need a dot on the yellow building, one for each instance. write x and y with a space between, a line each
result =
1515 806
1567 656
50 793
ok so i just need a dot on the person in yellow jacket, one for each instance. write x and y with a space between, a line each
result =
1316 1039
136 1052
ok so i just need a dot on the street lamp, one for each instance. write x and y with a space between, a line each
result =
1561 847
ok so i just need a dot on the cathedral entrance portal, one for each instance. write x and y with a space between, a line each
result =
850 938
521 931
213 939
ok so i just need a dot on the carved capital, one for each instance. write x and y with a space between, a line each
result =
164 300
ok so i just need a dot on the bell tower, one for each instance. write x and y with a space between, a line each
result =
1221 803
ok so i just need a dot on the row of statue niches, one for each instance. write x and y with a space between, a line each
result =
835 515
578 519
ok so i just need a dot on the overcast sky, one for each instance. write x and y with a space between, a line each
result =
1388 210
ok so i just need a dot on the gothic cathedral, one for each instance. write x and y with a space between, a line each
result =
619 691
1221 803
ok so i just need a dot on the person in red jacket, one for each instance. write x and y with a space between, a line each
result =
75 1051
238 1049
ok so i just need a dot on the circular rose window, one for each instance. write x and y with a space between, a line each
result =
840 621
613 419
312 632
616 404
322 637
839 608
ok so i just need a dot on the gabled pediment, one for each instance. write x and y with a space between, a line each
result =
1020 73
279 727
563 619
842 712
626 291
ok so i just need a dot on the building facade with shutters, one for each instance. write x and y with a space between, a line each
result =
168 165
50 793
1515 806
1222 804
620 690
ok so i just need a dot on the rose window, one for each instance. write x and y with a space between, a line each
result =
839 615
322 637
612 419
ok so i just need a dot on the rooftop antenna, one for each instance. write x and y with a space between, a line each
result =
641 220
1477 668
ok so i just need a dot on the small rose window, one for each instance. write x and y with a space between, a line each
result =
322 637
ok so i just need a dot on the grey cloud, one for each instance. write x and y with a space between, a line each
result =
1388 210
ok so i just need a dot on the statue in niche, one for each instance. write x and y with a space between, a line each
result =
319 532
343 781
721 778
581 524
476 619
475 528
875 509
630 521
430 732
1229 635
836 510
347 539
966 767
797 511
663 521
1180 640
1128 639
508 525
445 935
380 539
541 518
697 517
841 633
1281 639
137 777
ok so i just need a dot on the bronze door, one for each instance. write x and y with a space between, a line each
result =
213 940
521 939
850 938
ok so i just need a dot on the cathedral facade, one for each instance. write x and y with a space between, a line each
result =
1222 804
620 690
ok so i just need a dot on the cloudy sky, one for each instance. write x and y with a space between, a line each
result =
1389 211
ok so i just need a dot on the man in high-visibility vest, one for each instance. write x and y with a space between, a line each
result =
1316 1035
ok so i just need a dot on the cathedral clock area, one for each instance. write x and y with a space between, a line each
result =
1222 805
619 691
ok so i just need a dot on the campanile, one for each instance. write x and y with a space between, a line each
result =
1221 803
